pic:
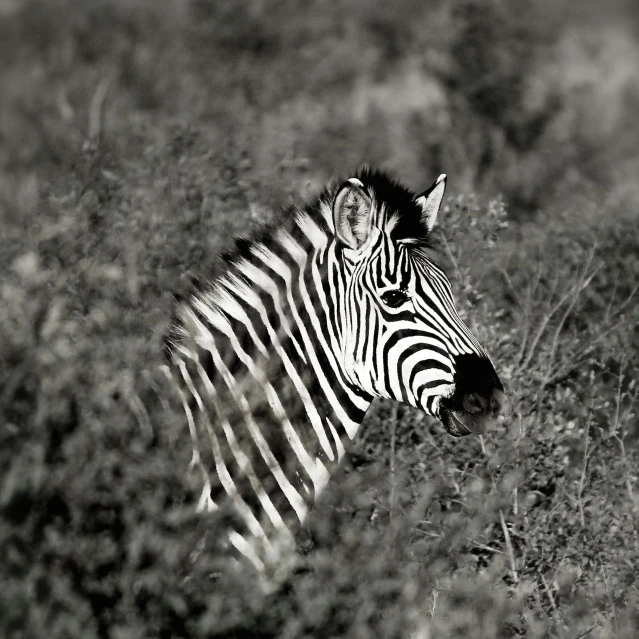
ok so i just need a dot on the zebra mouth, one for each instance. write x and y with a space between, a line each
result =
453 425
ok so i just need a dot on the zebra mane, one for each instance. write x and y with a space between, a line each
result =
402 216
402 211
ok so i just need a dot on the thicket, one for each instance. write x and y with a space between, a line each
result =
137 138
531 530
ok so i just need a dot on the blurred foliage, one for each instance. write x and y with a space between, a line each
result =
136 138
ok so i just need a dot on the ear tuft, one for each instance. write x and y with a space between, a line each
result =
430 201
352 214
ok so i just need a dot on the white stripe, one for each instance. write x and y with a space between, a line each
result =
300 256
315 469
291 494
246 549
338 441
426 375
393 354
309 405
326 210
243 461
222 471
314 233
205 503
229 304
334 348
268 285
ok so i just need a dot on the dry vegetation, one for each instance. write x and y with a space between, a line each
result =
137 137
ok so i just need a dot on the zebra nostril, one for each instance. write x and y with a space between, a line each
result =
477 404
474 403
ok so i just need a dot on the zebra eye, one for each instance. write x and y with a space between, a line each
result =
394 298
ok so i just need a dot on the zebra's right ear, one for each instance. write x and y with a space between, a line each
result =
352 214
430 201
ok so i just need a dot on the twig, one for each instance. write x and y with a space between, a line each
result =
485 547
391 497
609 593
433 607
140 413
525 314
146 374
509 547
618 430
530 294
561 323
548 593
577 358
474 542
583 281
451 257
582 479
509 544
588 631
96 110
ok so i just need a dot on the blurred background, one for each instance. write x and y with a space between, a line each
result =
138 137
537 102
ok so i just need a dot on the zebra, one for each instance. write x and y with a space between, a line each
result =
278 358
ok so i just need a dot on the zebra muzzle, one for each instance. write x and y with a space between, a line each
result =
475 414
478 399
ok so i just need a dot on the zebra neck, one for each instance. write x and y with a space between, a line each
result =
263 381
311 350
263 359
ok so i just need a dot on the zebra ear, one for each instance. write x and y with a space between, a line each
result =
430 201
352 214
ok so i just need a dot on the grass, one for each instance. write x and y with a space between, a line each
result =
137 138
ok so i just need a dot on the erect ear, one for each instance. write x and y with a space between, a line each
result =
430 201
352 214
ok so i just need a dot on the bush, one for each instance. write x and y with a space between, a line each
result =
530 531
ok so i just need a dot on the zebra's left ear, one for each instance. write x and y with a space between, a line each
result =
352 214
430 200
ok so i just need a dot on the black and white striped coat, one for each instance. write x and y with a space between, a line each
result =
278 358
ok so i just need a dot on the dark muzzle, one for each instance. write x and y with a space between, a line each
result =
478 399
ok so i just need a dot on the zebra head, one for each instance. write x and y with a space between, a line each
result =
401 335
